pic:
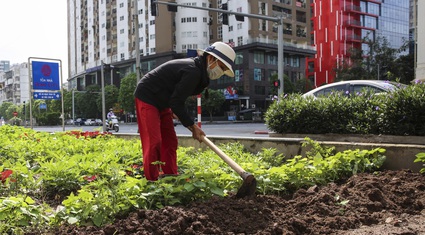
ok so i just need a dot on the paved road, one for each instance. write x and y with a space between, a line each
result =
247 129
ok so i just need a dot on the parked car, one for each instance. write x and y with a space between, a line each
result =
353 87
90 122
98 122
69 122
79 122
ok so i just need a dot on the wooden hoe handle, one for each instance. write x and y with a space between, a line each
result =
225 158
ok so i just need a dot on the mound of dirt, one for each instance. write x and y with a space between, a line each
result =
388 202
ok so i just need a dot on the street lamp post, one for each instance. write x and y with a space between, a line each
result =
102 82
278 20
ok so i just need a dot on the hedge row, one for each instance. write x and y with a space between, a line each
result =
399 112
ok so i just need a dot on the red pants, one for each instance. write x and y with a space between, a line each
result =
159 139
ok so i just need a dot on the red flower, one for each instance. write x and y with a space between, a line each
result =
5 174
90 178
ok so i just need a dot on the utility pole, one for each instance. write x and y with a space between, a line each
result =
239 15
102 82
137 40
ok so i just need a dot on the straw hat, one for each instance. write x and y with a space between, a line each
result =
224 53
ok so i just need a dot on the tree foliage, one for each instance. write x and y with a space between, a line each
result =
380 62
214 101
126 92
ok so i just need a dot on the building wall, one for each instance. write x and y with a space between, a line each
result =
4 65
15 84
340 25
420 69
103 30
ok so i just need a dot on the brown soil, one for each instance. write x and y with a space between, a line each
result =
389 202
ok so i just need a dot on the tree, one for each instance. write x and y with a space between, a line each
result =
214 101
111 98
406 71
288 86
3 110
380 62
86 103
350 68
126 93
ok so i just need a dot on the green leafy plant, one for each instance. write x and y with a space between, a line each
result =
91 178
420 157
399 112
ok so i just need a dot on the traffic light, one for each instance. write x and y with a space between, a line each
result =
276 83
172 8
154 8
240 18
225 16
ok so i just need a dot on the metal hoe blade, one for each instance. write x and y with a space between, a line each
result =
248 187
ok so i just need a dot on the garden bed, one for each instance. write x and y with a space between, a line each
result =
388 202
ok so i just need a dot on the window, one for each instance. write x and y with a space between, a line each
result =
219 32
240 41
258 57
258 74
239 58
122 55
238 75
272 59
121 18
121 31
121 5
295 61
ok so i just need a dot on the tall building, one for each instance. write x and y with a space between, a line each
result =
14 84
105 31
420 42
4 65
340 25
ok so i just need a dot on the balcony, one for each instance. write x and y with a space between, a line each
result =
354 38
374 1
358 10
356 24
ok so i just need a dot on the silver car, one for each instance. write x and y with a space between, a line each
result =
354 87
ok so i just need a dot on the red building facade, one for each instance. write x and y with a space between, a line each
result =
338 26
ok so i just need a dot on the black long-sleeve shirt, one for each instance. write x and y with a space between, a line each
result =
170 84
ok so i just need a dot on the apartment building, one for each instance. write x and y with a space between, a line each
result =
14 84
106 31
4 65
420 42
340 25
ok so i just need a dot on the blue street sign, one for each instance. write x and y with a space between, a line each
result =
43 106
45 75
47 95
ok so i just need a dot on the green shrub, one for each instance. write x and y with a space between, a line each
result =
399 112
405 111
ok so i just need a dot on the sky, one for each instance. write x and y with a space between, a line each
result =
34 28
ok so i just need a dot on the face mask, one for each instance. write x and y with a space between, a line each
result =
216 72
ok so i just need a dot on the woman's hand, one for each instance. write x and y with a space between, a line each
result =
197 132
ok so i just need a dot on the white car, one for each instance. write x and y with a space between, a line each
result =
90 122
354 87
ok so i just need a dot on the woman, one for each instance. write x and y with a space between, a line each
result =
162 93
